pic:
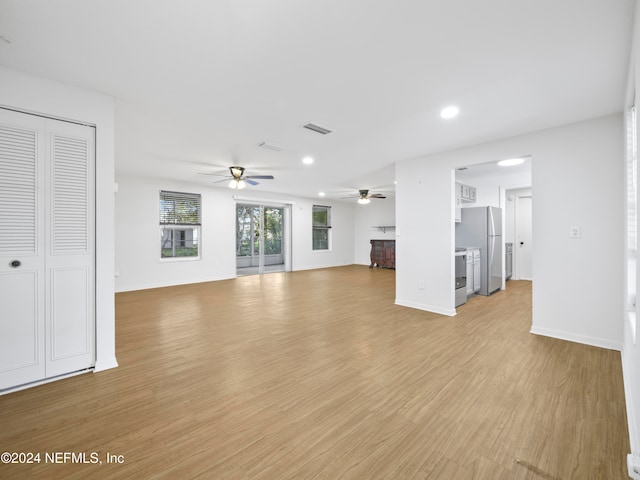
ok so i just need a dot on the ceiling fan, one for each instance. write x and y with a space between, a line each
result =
238 180
364 196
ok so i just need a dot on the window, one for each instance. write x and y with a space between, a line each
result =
321 227
179 225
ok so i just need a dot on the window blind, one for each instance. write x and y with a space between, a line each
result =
321 216
177 208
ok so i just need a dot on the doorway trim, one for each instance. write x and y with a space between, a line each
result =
503 204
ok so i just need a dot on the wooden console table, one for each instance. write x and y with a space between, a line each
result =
383 253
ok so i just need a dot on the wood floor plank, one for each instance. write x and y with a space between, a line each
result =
318 375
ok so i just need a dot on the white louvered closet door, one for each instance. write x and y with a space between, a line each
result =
47 253
69 306
22 252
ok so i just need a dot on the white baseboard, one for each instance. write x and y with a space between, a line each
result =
24 386
573 337
629 383
105 364
171 283
427 308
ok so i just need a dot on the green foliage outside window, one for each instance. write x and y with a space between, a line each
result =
248 227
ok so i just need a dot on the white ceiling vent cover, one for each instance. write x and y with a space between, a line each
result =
317 128
271 146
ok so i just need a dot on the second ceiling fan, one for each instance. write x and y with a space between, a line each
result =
364 196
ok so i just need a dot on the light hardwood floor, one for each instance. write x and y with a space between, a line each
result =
318 375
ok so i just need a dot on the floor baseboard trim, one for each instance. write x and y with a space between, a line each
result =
105 364
628 381
577 338
426 307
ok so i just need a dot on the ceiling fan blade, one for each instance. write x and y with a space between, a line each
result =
214 174
251 182
352 196
262 177
376 195
223 180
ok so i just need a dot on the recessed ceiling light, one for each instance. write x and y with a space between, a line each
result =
449 112
511 162
321 194
307 160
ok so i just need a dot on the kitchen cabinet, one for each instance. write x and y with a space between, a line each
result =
467 193
463 194
473 271
508 260
458 202
383 253
469 273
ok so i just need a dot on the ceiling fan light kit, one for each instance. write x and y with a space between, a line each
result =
237 184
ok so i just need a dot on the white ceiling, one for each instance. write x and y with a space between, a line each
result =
200 83
478 171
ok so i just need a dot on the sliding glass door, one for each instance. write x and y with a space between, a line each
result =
261 239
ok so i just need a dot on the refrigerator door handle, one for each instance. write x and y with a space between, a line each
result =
490 257
491 222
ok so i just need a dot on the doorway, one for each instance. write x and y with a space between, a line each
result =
519 231
509 187
262 233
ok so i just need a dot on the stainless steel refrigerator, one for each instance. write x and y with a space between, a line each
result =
482 227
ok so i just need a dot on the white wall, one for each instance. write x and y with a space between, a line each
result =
42 96
630 348
375 214
341 252
138 263
425 235
578 179
488 188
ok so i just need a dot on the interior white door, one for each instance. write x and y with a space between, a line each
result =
22 249
47 252
70 254
523 249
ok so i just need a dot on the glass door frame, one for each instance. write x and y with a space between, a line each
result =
286 234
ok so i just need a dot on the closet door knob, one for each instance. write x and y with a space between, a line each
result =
15 263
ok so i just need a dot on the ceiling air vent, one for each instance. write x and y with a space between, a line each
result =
317 128
271 146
